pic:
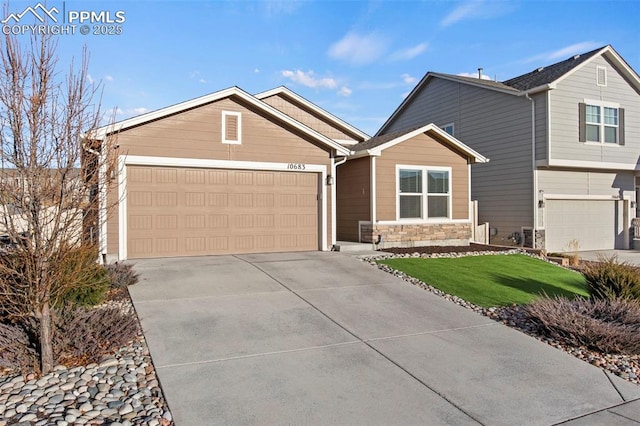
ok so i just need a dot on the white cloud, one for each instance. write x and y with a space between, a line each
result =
408 79
139 110
90 79
477 9
564 52
344 91
202 80
108 77
409 52
256 70
358 49
309 79
474 75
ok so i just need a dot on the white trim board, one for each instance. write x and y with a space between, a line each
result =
135 160
579 164
102 132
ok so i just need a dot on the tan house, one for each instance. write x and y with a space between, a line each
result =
226 173
408 188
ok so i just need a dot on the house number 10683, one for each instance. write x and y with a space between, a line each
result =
295 166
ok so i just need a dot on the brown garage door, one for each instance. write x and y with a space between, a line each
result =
190 212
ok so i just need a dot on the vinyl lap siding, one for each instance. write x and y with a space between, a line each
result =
420 151
308 118
353 194
564 115
574 182
499 127
541 125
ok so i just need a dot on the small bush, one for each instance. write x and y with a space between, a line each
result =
121 275
17 352
609 279
607 326
88 334
86 281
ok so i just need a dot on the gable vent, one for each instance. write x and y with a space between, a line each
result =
231 127
601 76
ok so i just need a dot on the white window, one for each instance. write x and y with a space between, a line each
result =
424 192
448 128
231 127
602 123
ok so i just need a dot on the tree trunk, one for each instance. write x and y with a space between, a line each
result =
46 339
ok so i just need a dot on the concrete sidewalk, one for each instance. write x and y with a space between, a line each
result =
323 338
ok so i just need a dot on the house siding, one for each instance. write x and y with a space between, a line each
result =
353 197
422 150
589 183
309 118
564 115
499 127
542 149
197 133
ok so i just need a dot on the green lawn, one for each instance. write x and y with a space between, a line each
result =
493 280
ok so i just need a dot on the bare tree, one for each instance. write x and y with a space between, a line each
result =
53 180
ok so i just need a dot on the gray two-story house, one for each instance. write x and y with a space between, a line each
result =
564 143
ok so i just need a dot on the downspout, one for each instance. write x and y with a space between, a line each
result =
334 167
533 170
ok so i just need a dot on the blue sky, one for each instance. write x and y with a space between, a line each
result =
356 59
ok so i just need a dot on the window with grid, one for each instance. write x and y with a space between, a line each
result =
601 123
424 193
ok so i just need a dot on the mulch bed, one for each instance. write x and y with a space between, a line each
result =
473 247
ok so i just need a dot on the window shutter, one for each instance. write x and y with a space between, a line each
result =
582 119
620 126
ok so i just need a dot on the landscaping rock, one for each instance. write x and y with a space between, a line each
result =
106 393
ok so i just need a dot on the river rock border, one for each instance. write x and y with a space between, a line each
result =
625 366
121 390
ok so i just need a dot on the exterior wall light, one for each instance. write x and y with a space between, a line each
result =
329 180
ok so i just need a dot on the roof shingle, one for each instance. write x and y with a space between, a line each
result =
550 73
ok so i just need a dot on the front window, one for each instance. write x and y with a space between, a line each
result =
601 124
410 194
424 193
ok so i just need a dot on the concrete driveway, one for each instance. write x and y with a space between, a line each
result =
323 338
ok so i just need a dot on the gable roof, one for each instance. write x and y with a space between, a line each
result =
540 79
234 91
286 92
549 74
377 144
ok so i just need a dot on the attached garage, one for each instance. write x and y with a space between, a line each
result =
193 211
595 224
223 174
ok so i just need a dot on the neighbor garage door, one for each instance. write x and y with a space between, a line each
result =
592 223
188 211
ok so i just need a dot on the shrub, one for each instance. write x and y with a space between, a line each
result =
121 275
608 325
610 279
17 352
86 281
88 334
